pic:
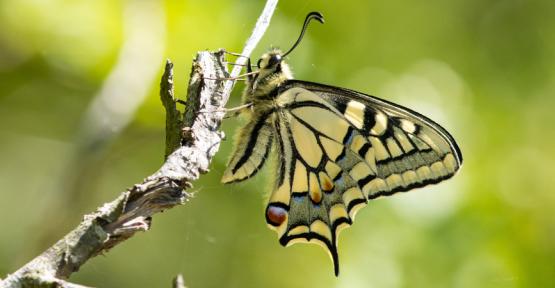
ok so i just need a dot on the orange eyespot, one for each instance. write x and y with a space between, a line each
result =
316 196
327 185
325 182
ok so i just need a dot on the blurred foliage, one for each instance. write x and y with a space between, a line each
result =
483 69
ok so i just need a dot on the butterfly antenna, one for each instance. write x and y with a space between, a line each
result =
312 15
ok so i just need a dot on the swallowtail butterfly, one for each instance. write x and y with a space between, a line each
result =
336 150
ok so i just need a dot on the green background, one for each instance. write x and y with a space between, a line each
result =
485 70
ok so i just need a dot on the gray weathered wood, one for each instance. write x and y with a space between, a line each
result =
131 212
194 138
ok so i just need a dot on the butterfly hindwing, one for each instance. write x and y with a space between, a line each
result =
339 148
305 206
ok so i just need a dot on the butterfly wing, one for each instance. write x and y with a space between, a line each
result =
253 143
339 148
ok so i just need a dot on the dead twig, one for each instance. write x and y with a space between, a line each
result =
194 139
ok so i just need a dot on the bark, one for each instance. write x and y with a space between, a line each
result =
192 140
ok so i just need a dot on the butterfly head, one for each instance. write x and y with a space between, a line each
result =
272 66
271 69
271 60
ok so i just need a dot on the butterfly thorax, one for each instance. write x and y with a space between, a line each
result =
272 73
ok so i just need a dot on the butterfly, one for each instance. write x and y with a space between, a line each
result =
336 150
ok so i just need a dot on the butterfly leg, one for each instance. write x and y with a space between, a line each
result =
248 65
236 78
229 112
235 111
235 54
251 78
237 64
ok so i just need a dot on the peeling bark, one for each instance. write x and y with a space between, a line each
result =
192 139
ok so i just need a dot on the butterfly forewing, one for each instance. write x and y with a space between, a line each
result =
252 146
392 139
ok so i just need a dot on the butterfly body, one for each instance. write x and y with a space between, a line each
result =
336 150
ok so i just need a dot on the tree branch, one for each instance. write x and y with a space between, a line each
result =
194 139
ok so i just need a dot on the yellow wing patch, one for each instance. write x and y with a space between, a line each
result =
333 127
355 113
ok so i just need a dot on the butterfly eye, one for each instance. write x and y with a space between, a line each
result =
258 63
274 60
